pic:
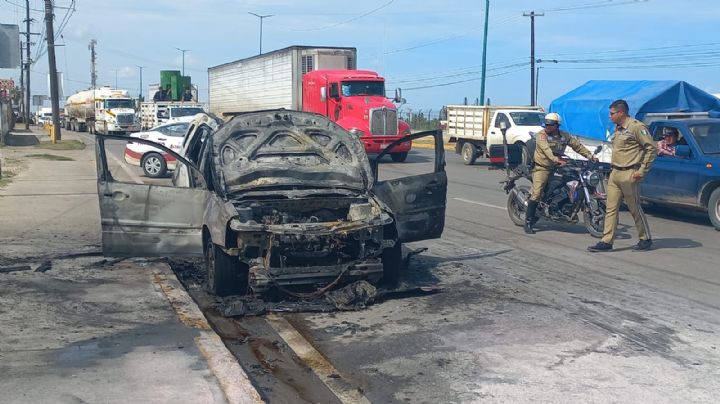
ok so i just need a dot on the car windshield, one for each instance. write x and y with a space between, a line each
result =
110 104
350 88
528 118
707 136
186 111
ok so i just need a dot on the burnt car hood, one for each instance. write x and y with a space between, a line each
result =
287 150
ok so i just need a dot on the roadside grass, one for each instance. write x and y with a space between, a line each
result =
61 145
53 157
9 167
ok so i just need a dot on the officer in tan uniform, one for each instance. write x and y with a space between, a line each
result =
550 143
633 152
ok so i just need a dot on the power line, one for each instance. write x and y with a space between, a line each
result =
347 21
461 81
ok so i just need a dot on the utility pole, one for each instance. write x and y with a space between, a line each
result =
183 59
261 17
532 15
484 55
140 67
93 71
27 64
115 70
22 81
55 102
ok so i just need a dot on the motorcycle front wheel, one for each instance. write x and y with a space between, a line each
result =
595 222
516 210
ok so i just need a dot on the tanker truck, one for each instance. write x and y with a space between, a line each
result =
103 110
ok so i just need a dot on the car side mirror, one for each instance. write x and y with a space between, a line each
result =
323 94
398 96
682 150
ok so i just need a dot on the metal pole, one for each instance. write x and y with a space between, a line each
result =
183 58
532 16
27 64
261 17
54 96
140 67
484 54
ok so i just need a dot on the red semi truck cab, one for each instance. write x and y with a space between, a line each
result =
355 100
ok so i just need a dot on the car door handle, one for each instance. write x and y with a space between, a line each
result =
117 195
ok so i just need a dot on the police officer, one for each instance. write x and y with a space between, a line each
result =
550 143
633 152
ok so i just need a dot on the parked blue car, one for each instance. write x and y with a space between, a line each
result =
691 178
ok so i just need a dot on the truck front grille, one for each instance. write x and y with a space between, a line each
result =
383 122
125 119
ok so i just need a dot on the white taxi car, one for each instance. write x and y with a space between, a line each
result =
154 162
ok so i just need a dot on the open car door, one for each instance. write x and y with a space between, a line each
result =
416 191
143 216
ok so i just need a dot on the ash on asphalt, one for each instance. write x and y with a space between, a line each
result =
350 297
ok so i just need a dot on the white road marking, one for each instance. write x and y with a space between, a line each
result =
487 205
325 371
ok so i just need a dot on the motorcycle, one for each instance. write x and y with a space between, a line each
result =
576 187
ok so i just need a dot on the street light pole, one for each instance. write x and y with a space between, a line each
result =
537 74
484 54
261 17
140 67
183 58
116 70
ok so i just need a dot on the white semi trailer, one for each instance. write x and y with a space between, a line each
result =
103 110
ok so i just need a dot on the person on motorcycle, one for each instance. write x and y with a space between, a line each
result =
550 144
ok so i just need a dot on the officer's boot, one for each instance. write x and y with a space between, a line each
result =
530 217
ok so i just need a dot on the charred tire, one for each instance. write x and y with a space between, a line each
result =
714 208
392 263
154 165
595 224
226 275
399 157
515 210
469 153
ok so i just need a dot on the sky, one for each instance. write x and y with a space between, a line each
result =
430 49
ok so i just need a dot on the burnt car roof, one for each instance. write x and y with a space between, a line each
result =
285 149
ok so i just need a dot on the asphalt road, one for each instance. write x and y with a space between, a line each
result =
536 318
521 318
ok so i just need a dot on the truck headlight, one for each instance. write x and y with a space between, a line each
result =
356 132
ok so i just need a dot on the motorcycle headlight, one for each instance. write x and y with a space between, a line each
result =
592 178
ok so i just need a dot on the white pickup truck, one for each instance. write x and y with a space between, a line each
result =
475 129
154 113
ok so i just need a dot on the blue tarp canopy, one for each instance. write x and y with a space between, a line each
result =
584 110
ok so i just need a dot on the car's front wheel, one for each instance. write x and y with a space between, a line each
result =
154 165
226 275
714 208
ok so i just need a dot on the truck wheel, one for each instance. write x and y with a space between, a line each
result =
399 157
469 153
226 275
714 208
154 165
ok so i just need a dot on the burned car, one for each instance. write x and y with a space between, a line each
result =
273 199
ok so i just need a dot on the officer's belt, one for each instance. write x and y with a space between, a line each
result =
542 166
635 167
